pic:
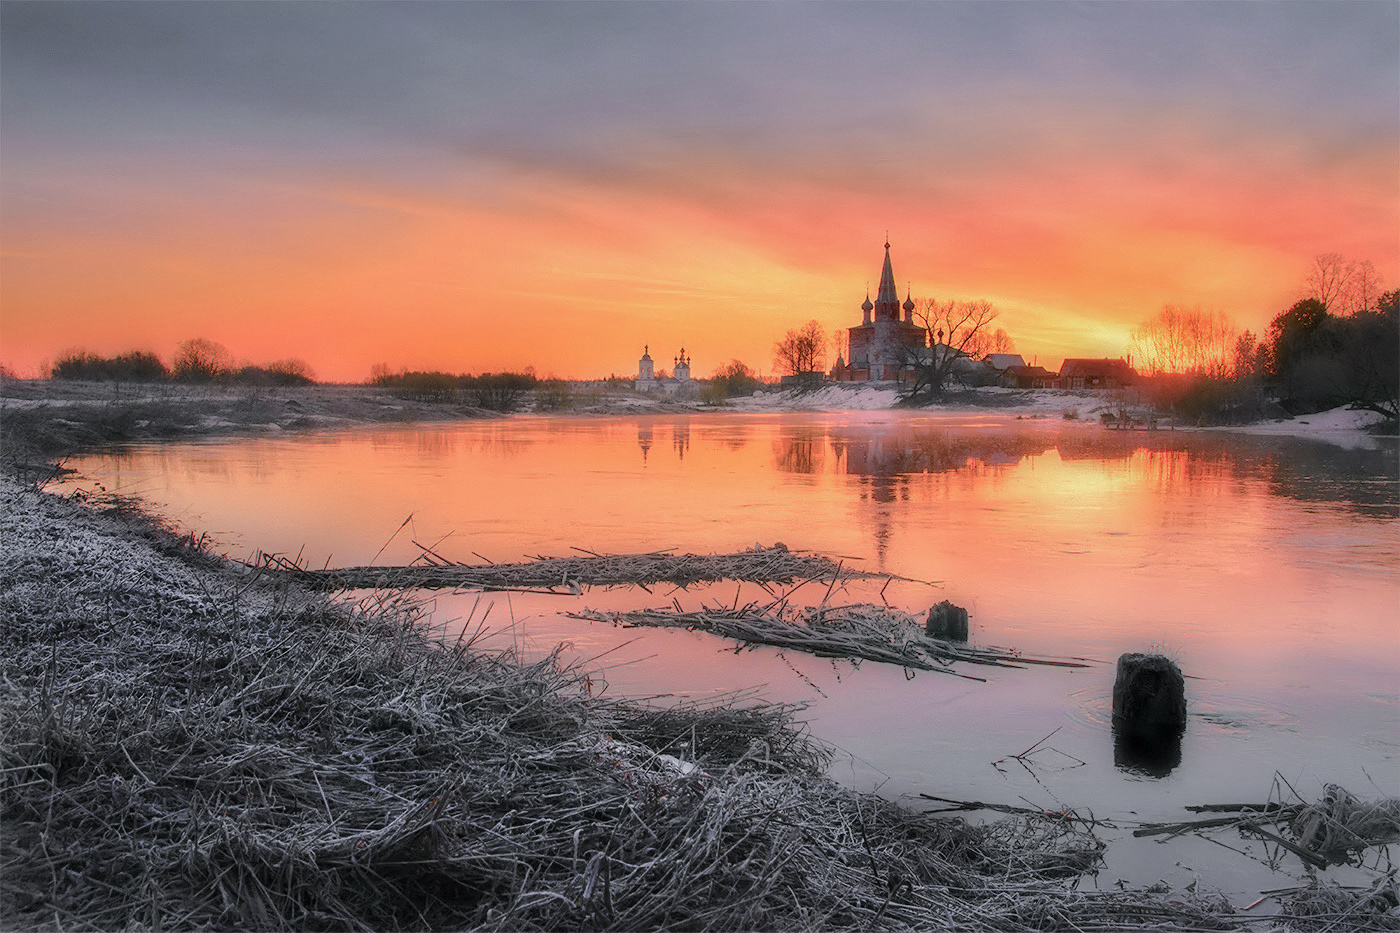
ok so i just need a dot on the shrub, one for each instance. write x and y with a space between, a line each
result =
201 360
498 391
134 366
553 395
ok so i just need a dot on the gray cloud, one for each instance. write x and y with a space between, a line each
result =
608 89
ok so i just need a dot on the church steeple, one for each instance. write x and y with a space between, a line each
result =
887 296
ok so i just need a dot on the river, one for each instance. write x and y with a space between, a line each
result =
1269 568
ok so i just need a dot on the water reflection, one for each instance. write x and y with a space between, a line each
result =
801 451
680 439
1364 479
1145 754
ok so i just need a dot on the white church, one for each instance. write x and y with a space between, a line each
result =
679 382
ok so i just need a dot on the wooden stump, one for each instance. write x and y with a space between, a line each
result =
1149 695
947 621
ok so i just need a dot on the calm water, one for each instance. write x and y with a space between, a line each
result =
1269 568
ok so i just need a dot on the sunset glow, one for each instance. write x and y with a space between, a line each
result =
493 186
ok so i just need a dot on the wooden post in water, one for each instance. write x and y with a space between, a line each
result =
947 621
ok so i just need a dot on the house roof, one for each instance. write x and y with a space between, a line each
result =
1104 368
1003 361
1029 372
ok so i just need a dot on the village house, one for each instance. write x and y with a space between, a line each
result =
1029 377
885 343
1001 362
1096 374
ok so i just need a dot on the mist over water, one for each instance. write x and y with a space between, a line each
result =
1267 567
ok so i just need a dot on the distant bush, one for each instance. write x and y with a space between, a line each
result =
1204 399
423 386
553 395
734 378
498 391
135 366
201 360
493 391
288 372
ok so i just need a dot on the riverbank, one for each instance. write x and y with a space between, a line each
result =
56 418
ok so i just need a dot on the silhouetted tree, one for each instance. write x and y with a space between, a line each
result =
951 328
1326 278
1371 344
802 352
1248 358
201 360
1293 335
134 366
1186 340
1343 286
984 342
498 391
1319 360
734 378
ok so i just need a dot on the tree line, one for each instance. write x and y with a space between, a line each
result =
1338 344
504 391
196 360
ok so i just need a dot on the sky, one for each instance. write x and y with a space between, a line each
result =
485 186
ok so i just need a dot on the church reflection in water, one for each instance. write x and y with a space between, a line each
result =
885 460
680 438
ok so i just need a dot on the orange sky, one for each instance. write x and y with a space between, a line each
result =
1079 197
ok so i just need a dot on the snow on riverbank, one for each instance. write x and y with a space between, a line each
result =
873 397
1341 426
1344 427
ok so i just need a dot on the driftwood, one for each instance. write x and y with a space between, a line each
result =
860 632
1330 831
568 575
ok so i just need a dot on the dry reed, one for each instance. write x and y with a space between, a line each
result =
856 632
191 745
1332 831
774 564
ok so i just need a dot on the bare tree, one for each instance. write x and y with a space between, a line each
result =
802 352
1363 289
1344 286
952 327
201 360
841 344
1326 278
984 342
1186 340
291 371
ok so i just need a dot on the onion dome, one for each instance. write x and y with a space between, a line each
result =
908 302
866 306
